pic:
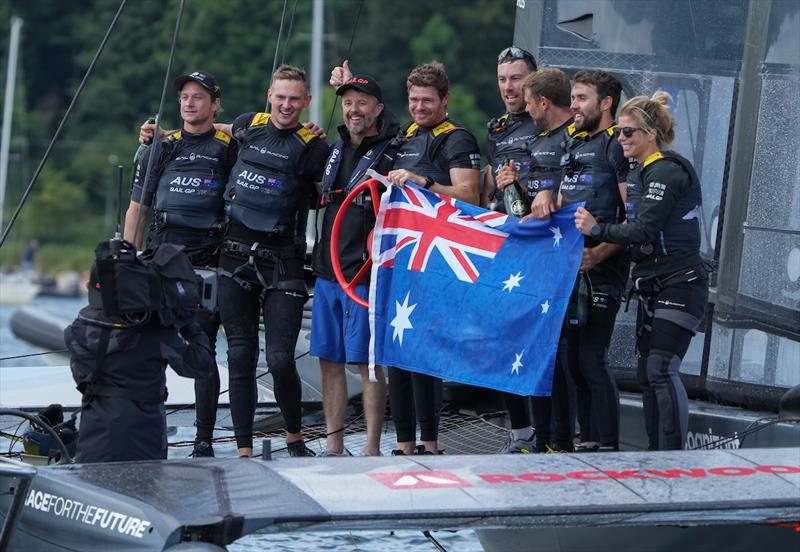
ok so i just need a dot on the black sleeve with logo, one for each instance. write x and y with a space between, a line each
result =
459 151
664 184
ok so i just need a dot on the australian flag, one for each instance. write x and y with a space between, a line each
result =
470 295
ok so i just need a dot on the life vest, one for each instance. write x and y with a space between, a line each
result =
368 161
545 150
264 191
509 137
190 190
417 152
681 232
589 177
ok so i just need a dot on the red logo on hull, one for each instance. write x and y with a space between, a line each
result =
420 480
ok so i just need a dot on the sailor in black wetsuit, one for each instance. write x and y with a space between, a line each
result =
507 139
268 196
339 326
669 275
187 180
118 360
547 99
443 157
507 136
595 172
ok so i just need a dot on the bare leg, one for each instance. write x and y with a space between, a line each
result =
334 403
374 408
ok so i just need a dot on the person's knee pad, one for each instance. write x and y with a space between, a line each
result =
241 353
280 362
661 365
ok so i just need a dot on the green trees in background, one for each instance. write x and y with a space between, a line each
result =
73 204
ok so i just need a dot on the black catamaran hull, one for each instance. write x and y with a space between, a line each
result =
157 505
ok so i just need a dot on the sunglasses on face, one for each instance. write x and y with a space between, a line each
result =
512 52
628 131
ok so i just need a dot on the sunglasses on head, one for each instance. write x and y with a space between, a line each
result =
628 131
512 52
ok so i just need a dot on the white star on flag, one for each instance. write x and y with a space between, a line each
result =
556 235
545 306
517 364
513 281
401 321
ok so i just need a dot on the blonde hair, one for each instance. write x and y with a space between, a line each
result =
290 72
652 115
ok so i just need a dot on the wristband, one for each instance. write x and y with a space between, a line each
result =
429 182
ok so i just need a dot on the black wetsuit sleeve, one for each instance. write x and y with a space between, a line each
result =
618 160
231 154
664 181
241 123
312 165
139 173
460 150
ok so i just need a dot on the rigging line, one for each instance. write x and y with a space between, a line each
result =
277 46
61 124
156 139
349 50
57 351
288 33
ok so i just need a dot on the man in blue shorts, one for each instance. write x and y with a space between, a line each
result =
340 327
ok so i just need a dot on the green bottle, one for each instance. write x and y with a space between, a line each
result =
516 200
142 147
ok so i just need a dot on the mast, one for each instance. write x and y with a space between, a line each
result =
317 34
8 108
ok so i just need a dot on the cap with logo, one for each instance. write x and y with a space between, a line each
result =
362 83
206 80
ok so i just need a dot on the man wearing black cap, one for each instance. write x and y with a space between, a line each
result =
340 327
443 157
185 187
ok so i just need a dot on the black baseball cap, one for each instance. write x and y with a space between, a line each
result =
206 80
362 83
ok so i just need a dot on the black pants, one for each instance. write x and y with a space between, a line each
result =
206 391
665 325
552 415
415 398
282 311
518 410
584 351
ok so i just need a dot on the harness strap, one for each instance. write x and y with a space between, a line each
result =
120 393
653 285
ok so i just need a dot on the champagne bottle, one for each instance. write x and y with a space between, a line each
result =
516 200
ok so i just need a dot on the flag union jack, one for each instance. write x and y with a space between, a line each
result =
427 222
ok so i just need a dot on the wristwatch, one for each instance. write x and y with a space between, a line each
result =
595 231
429 182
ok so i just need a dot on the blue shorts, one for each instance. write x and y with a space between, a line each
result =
339 326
